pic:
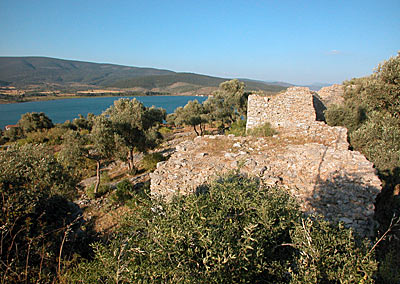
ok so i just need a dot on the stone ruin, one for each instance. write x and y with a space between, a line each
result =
307 157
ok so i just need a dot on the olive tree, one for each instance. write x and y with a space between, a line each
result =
33 121
193 114
135 125
228 103
98 145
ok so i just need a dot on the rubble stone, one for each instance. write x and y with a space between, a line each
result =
307 157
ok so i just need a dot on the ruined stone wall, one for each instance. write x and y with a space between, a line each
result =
307 157
290 109
332 95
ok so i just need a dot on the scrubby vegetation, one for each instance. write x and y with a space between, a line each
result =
38 223
233 232
264 130
371 113
226 106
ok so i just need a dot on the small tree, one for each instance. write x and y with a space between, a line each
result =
84 123
33 121
193 114
228 103
98 145
136 125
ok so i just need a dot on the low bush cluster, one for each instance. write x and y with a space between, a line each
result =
264 130
149 161
233 232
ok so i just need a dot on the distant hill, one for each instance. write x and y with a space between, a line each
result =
188 80
318 86
23 71
33 70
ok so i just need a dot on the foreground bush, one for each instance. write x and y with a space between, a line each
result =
232 232
37 222
371 113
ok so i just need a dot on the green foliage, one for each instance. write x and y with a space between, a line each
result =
233 232
228 103
149 161
36 215
83 123
51 136
135 125
330 254
388 267
165 130
238 128
33 121
193 114
352 118
371 113
102 190
378 139
264 130
225 235
123 192
13 134
98 145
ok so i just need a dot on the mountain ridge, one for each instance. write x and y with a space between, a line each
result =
27 70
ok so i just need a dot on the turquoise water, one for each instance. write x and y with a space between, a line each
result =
67 109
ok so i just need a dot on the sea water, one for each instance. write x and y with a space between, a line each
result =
67 109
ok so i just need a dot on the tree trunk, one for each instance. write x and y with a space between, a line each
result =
201 129
195 130
96 187
130 159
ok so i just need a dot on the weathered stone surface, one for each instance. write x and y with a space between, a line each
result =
282 110
307 157
332 95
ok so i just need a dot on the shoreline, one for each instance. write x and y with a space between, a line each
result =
52 98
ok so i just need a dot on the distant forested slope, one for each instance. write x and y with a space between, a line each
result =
195 80
34 70
22 71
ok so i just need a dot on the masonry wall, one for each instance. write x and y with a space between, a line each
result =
293 108
309 158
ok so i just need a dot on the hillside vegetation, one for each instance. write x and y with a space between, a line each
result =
195 81
68 75
35 70
371 113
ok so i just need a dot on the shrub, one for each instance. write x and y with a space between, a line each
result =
103 189
233 232
378 139
123 192
164 130
264 130
238 128
228 234
36 215
149 161
351 118
329 253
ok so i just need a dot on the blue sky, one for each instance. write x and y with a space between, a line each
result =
294 41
